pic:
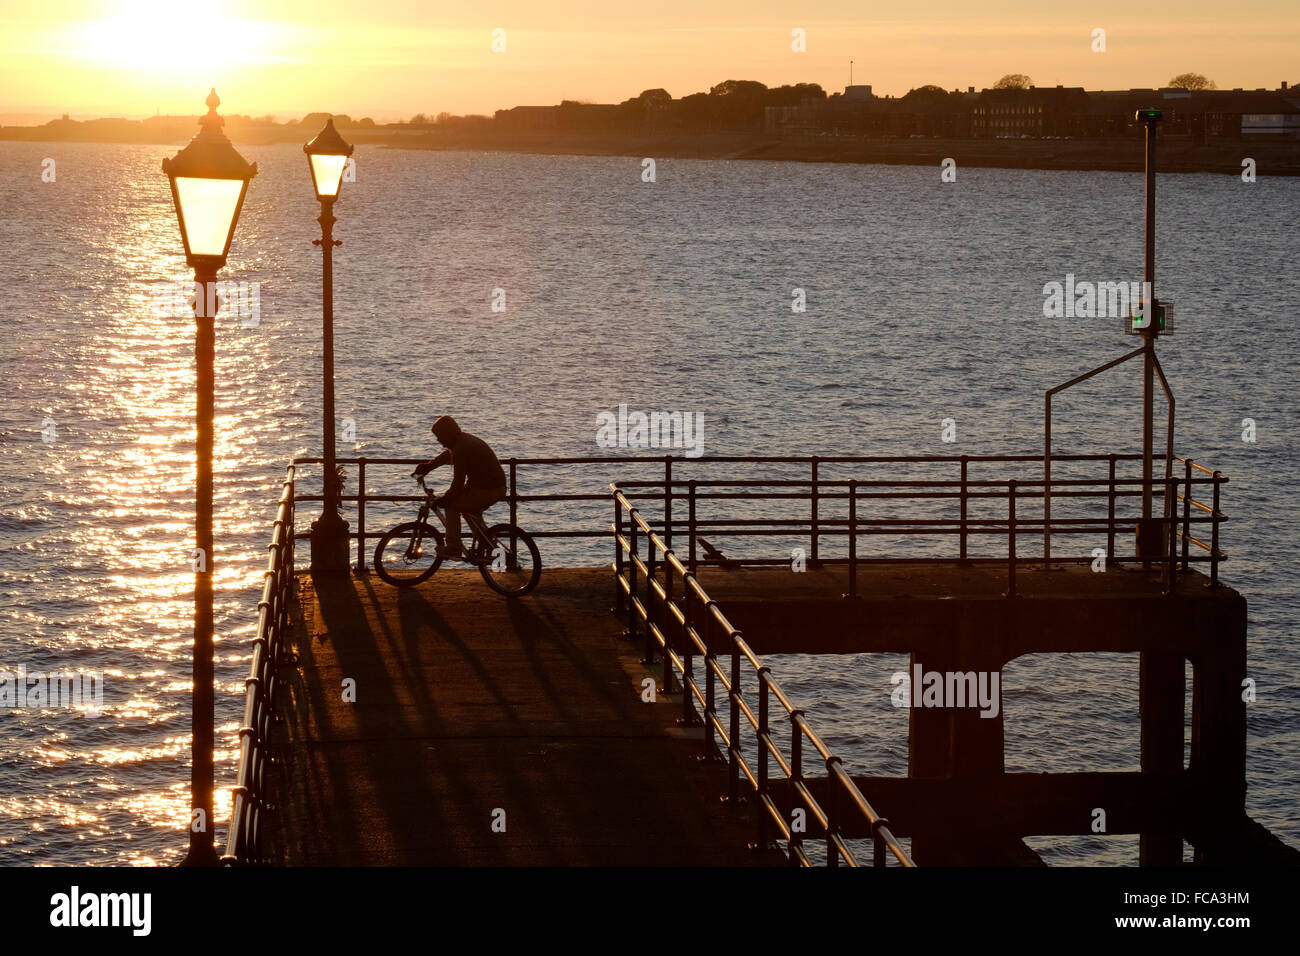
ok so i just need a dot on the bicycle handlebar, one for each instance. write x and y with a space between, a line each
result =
428 493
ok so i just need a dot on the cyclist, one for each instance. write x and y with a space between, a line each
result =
477 483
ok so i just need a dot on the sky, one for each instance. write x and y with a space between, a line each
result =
390 59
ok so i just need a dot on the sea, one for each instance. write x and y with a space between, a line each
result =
797 309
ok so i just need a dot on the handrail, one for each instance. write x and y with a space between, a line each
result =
270 646
679 628
965 526
823 492
671 615
1047 435
683 614
814 489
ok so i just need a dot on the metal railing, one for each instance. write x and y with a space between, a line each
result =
270 648
362 499
863 499
1047 432
681 627
962 527
688 626
1215 517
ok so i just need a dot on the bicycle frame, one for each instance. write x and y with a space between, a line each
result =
484 546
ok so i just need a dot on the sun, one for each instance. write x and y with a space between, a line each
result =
165 35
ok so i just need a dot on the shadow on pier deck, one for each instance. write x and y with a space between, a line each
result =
467 704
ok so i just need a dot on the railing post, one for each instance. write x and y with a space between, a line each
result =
733 731
1214 535
618 556
361 514
832 814
796 777
1047 480
688 656
1187 510
691 519
853 539
1110 514
812 554
514 494
293 519
1011 538
710 687
633 549
668 502
760 811
650 614
964 493
293 541
1171 537
664 625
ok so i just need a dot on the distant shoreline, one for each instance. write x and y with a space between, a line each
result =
1115 154
1118 155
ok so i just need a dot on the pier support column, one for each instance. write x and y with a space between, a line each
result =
957 742
1161 693
1218 760
929 753
929 746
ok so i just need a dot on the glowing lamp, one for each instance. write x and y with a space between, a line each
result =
209 179
327 155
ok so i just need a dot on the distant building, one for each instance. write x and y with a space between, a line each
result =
791 120
1284 125
586 117
1036 111
1190 116
528 118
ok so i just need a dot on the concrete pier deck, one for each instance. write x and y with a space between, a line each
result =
484 731
467 705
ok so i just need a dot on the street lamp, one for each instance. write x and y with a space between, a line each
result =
208 180
327 156
1149 118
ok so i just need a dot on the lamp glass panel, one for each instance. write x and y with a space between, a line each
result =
208 206
327 170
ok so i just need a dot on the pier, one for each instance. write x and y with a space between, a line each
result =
469 705
624 715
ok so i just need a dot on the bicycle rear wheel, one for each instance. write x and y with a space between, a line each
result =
408 554
514 566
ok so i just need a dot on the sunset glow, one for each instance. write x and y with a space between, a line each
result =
536 436
169 38
134 57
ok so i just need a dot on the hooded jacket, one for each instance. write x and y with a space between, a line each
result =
474 465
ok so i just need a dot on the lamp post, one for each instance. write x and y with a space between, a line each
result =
208 181
1149 118
327 157
1160 673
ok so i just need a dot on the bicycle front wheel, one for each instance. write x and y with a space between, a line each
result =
408 554
514 566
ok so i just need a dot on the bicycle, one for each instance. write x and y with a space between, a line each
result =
504 554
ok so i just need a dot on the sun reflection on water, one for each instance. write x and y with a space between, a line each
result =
111 513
